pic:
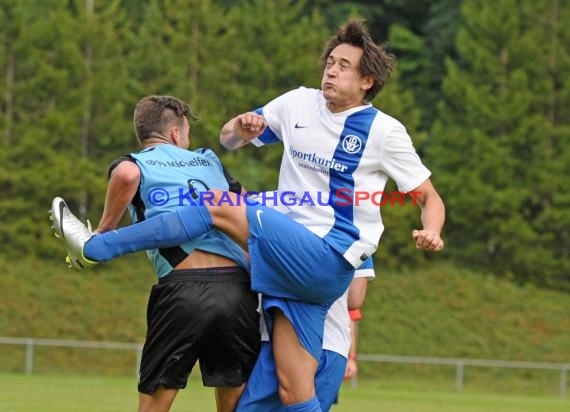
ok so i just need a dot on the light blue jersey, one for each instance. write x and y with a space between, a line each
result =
172 177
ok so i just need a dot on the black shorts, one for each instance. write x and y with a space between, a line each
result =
200 314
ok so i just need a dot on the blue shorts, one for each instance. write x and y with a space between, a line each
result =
329 377
261 393
289 261
296 271
308 320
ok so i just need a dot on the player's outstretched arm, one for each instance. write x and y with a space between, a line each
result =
433 218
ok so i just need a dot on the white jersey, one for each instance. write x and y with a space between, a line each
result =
336 337
332 161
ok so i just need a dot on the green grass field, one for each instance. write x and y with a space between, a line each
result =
65 393
445 311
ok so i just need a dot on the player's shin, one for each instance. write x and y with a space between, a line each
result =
165 230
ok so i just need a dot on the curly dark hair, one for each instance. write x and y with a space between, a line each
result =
376 62
155 114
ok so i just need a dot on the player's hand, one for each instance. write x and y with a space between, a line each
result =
249 125
351 369
428 240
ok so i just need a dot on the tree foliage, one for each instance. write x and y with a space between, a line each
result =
483 89
500 151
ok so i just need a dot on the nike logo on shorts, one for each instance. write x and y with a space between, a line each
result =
259 213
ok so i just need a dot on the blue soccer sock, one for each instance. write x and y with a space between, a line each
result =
165 230
312 405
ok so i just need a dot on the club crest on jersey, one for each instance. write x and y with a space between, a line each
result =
351 144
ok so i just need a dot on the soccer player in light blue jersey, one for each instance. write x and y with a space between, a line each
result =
202 307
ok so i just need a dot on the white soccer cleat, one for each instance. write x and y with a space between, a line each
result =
73 232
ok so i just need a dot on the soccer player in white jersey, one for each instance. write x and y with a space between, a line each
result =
262 390
335 141
339 151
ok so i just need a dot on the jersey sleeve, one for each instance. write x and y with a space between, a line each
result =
400 160
366 270
117 161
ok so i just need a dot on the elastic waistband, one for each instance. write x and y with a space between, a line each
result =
215 274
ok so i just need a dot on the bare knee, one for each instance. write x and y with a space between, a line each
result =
227 398
293 391
228 213
215 200
220 204
160 401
